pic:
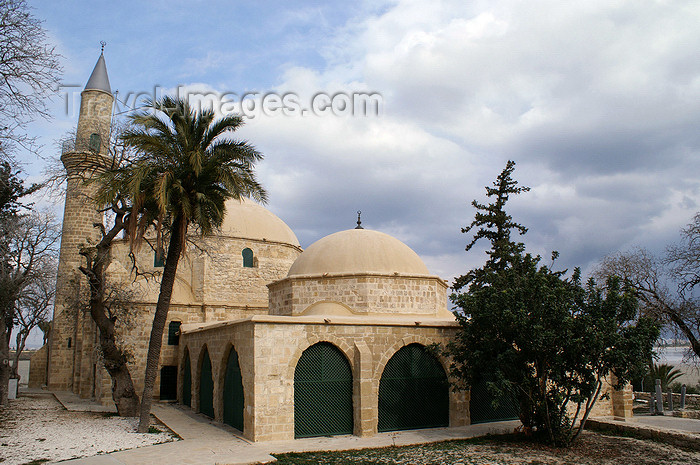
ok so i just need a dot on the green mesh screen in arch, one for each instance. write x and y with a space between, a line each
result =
482 408
322 392
206 387
187 381
233 392
413 391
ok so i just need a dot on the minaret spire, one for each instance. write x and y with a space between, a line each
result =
99 79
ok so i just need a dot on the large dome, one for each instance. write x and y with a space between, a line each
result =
358 251
248 220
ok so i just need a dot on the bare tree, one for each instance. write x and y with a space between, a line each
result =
26 242
33 307
108 305
29 73
684 258
665 285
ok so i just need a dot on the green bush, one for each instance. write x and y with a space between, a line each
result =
676 387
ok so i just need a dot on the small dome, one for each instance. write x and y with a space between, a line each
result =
248 220
358 251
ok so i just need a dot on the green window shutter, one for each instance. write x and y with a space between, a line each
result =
173 330
413 377
322 392
159 258
248 259
234 399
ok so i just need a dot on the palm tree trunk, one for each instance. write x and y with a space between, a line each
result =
177 240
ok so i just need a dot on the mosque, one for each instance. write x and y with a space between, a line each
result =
276 341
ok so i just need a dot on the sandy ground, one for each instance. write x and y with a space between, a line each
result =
37 427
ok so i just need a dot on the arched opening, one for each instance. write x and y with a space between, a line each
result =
187 380
206 387
95 142
413 391
234 399
322 392
248 258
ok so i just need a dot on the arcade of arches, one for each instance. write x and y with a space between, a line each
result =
326 379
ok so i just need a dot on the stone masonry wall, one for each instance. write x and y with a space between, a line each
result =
226 280
136 334
364 294
244 287
212 272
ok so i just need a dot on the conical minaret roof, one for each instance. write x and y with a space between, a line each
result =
99 79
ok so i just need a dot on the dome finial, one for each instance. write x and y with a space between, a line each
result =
359 222
102 43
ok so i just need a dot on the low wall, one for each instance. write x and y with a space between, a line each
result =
37 368
675 438
691 400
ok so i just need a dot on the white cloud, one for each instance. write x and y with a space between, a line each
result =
601 97
597 101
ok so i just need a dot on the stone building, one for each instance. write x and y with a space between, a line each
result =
272 340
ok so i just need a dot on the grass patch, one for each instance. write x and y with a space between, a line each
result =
393 454
153 430
36 462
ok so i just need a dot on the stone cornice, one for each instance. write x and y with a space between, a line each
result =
441 281
359 320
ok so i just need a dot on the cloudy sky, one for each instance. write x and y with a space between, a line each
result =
598 102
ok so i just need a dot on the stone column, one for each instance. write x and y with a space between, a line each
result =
621 400
365 403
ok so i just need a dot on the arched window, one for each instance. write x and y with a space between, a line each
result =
95 141
173 333
159 258
248 259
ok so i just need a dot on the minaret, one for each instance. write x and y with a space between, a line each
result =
82 160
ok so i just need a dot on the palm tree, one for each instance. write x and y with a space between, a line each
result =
186 167
666 373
